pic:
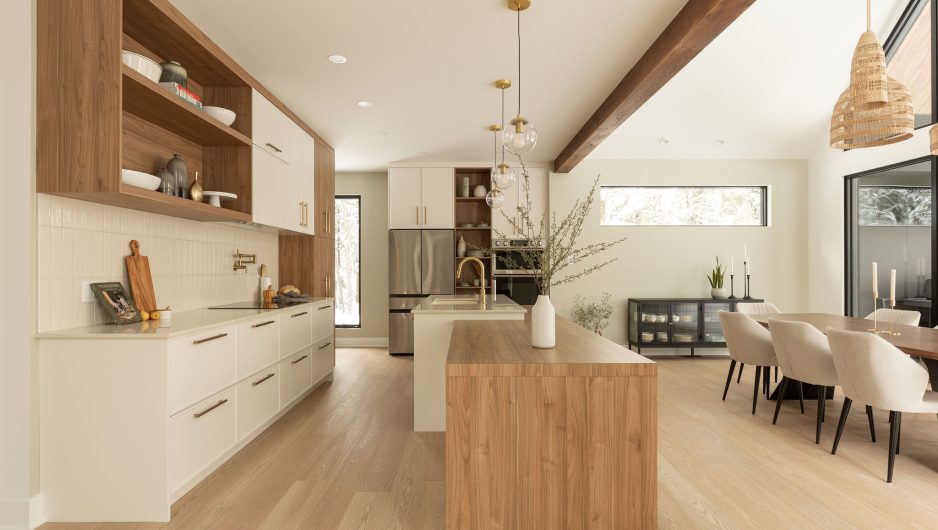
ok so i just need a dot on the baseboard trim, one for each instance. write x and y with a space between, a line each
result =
361 342
14 513
37 515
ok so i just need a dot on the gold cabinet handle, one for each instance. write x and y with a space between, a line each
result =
274 147
201 341
418 214
325 306
298 360
424 215
324 346
262 324
299 314
261 380
221 402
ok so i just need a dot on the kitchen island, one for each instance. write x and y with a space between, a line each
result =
557 438
433 328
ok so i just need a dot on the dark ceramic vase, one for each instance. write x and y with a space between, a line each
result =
173 72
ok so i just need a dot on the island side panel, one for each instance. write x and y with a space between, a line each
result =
551 452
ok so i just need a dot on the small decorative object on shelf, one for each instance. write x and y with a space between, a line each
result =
480 191
195 190
174 72
177 167
183 93
733 279
168 182
465 186
116 303
716 279
746 269
461 247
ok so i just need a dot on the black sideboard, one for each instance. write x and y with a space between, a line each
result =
679 322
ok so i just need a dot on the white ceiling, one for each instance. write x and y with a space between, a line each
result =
427 66
766 85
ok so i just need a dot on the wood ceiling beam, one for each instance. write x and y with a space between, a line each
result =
694 27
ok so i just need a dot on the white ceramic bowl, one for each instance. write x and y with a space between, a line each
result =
144 65
221 114
140 179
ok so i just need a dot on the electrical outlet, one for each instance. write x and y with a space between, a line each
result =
86 294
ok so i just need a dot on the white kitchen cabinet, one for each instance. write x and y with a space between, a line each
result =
152 411
515 197
283 170
420 198
323 321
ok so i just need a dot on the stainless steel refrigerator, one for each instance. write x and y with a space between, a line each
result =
420 263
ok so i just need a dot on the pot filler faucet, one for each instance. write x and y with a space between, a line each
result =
480 267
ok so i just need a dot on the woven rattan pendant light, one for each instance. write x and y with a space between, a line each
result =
861 118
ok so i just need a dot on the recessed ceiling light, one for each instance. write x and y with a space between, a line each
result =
664 141
337 59
364 104
381 133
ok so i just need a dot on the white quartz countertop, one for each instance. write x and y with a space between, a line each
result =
182 323
467 303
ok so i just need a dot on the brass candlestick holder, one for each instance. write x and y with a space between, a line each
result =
875 329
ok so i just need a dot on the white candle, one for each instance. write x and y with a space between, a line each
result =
745 253
749 268
732 265
892 287
875 281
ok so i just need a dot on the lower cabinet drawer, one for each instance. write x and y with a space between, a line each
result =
258 399
323 358
323 320
296 330
200 434
258 344
295 375
199 365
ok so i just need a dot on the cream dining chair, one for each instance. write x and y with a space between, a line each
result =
896 316
804 356
874 372
756 308
747 342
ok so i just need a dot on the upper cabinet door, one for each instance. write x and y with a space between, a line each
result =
404 206
302 176
325 191
271 129
270 189
438 197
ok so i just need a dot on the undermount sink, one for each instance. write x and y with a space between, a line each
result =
455 301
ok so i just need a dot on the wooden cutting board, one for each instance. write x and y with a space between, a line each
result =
141 283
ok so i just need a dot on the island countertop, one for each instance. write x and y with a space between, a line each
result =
467 303
503 347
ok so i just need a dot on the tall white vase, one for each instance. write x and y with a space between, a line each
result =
543 319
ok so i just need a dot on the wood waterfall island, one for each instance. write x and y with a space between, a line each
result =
558 438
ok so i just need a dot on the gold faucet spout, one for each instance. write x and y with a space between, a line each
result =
480 267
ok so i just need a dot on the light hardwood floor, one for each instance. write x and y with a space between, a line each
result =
346 458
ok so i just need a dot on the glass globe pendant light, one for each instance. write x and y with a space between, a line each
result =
503 176
495 198
521 137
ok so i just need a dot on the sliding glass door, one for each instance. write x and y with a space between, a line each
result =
890 219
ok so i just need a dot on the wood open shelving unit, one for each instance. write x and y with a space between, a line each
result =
474 210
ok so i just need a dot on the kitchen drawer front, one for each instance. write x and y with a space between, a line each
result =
199 365
296 329
295 375
323 358
200 434
258 399
258 344
323 320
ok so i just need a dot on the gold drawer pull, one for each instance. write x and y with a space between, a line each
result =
274 147
213 337
266 377
298 360
325 306
299 314
221 402
324 346
262 324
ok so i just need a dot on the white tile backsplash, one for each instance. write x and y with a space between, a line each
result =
190 261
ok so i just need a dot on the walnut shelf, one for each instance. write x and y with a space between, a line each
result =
156 202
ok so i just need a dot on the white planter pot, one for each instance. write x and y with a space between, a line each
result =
543 319
718 292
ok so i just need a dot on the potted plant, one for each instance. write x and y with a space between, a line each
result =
554 249
593 316
716 277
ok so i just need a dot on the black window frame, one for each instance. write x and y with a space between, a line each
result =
764 189
898 34
357 197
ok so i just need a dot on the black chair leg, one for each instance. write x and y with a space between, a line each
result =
781 397
729 377
755 391
776 374
766 372
893 443
844 412
869 416
801 396
820 413
740 376
898 419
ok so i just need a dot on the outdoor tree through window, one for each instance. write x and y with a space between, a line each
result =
348 262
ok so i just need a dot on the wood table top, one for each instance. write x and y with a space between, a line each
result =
913 340
503 347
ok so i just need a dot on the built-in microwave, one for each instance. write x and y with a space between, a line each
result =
510 258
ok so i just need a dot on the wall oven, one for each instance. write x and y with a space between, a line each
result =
515 277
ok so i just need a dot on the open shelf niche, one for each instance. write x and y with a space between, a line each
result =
474 211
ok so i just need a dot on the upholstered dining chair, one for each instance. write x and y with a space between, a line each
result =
875 372
804 356
756 308
896 316
747 342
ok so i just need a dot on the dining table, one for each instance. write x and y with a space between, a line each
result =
914 340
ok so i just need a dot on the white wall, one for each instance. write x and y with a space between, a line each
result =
826 170
18 437
373 189
673 261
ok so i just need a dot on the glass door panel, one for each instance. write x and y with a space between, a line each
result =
712 330
653 328
684 324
